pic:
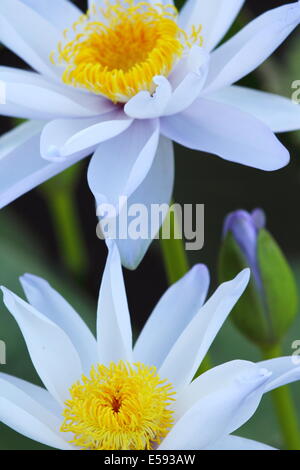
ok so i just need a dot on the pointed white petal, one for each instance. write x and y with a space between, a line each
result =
52 353
283 371
21 166
28 35
215 17
61 14
251 46
65 138
207 383
114 334
210 418
278 113
188 352
155 191
226 131
120 165
39 394
24 414
33 95
45 299
171 316
238 443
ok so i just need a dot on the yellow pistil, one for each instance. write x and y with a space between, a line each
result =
120 407
116 51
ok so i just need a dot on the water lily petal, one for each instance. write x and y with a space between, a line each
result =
251 46
171 316
65 138
188 81
145 105
21 166
283 371
34 95
61 14
215 17
28 35
24 414
228 132
38 394
280 114
208 420
189 350
207 383
113 320
52 353
45 299
120 165
155 191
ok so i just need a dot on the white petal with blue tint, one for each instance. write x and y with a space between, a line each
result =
65 138
251 46
38 394
215 17
45 299
52 353
22 413
119 166
35 94
191 347
21 166
280 114
210 417
28 35
145 105
61 13
226 131
171 316
155 190
114 334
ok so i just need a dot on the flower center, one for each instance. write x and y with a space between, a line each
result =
116 51
120 407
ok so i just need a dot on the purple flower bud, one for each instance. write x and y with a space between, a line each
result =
245 227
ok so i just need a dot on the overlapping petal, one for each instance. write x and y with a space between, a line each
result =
28 35
77 138
171 316
21 166
226 131
215 17
251 46
113 320
48 301
211 416
278 113
189 350
51 351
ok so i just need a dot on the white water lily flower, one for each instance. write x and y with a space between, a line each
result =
105 394
125 80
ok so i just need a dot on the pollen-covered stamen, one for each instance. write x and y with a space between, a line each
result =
120 407
116 51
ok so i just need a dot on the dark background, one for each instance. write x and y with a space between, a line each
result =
28 240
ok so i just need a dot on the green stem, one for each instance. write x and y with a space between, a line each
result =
285 408
173 252
59 194
177 264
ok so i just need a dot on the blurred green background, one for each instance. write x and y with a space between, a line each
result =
28 242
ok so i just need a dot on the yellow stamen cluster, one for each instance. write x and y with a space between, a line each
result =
120 407
119 49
